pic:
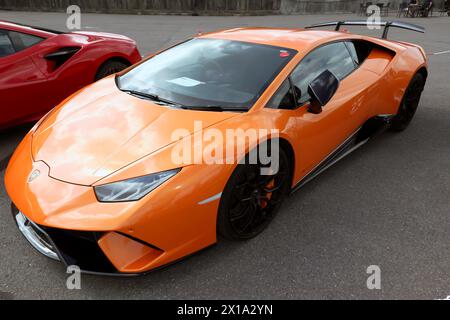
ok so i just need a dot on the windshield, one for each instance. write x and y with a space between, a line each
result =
208 73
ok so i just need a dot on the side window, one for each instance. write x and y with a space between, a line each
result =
6 46
352 49
22 40
334 57
284 98
359 50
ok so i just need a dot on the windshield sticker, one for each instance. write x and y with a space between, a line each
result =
185 82
284 54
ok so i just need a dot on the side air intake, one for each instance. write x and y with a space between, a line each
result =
61 56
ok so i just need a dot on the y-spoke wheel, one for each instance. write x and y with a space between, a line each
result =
409 103
251 200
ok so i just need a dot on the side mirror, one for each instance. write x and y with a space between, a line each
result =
321 90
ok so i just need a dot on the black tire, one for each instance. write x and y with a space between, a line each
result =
109 68
409 104
251 201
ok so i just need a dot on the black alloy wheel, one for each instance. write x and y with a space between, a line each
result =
251 200
409 104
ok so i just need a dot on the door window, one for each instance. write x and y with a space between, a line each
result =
6 46
284 98
23 41
359 50
334 57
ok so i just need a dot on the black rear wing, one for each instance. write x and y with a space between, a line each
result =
365 23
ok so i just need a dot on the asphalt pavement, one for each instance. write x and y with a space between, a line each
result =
386 205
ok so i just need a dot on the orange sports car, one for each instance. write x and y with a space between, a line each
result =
204 139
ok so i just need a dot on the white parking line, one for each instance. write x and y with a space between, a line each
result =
442 52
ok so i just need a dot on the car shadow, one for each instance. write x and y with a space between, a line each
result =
9 139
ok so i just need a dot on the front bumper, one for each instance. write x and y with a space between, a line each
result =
66 220
70 247
75 248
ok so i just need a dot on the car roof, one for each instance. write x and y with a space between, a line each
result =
297 39
40 32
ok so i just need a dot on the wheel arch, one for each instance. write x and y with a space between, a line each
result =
286 146
113 58
423 71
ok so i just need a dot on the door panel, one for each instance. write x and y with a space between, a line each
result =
347 111
21 86
21 83
350 107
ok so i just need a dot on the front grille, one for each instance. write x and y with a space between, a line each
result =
81 249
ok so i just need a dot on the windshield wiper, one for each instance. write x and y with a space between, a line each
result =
149 96
154 97
214 108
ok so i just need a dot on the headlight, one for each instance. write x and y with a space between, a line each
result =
133 189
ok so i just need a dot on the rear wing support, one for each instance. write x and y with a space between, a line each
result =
365 23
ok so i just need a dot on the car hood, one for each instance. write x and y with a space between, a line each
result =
102 129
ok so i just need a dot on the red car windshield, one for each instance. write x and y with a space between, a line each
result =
208 73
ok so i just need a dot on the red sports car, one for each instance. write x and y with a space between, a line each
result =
39 68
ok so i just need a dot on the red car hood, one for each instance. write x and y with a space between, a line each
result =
102 129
